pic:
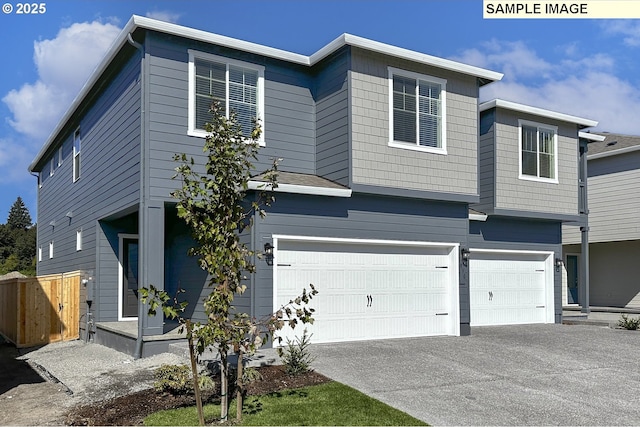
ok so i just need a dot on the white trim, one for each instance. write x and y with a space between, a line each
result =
537 111
591 136
538 126
454 253
76 169
121 237
51 249
300 189
478 217
345 39
443 107
40 253
193 54
78 239
549 269
614 152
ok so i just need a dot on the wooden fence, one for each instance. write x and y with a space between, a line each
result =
40 310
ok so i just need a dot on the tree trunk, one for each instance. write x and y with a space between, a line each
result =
194 372
239 387
224 386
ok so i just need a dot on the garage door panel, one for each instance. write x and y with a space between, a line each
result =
409 286
507 288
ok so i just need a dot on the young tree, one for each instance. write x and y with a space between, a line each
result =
214 205
19 218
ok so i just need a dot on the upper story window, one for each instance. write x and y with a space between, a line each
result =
52 167
538 152
60 156
417 111
77 142
237 86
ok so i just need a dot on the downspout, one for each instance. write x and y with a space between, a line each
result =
584 233
139 340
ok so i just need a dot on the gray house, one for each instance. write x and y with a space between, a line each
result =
614 235
384 152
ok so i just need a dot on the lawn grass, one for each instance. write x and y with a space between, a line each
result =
330 404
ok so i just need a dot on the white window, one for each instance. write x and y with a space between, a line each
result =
39 253
51 249
77 142
538 148
417 111
52 167
60 157
79 239
237 86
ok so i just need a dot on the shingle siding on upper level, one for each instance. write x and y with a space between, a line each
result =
289 117
517 194
109 178
375 163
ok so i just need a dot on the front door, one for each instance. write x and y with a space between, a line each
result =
128 292
572 279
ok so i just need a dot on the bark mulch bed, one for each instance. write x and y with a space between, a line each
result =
130 410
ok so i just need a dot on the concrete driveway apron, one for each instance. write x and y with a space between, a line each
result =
502 375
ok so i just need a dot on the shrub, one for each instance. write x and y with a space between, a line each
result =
296 357
177 379
629 322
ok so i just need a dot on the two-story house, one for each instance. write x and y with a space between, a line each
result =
381 156
613 231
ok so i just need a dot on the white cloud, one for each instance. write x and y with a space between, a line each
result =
64 64
582 86
163 15
14 159
630 30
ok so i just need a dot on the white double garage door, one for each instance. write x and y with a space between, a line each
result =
376 289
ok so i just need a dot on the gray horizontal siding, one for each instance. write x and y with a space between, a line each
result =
109 180
360 217
486 163
289 117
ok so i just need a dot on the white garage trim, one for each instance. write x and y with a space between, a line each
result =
451 251
549 268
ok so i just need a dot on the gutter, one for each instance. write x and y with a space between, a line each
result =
139 339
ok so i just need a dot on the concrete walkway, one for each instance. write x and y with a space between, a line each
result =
505 375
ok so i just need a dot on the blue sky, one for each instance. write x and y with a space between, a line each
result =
589 68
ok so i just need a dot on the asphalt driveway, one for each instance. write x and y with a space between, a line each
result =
506 375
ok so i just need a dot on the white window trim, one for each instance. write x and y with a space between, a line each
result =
537 125
51 249
78 239
39 253
76 133
121 237
193 54
443 105
60 157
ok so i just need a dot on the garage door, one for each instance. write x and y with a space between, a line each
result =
510 288
369 291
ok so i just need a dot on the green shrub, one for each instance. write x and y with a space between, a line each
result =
629 322
296 357
177 379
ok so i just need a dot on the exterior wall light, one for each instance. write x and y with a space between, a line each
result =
268 253
558 264
464 252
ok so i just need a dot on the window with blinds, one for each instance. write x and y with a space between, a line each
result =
538 144
235 85
417 116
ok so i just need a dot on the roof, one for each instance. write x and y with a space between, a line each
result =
139 22
500 103
300 183
13 275
612 145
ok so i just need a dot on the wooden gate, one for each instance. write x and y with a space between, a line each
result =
40 310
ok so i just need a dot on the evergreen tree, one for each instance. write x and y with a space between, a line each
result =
19 217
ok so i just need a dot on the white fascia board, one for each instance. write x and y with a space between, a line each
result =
500 103
478 217
300 189
613 152
387 49
591 136
381 242
509 251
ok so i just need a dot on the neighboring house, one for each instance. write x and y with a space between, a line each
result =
380 149
614 232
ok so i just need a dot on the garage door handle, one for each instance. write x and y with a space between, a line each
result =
442 314
539 306
284 265
369 300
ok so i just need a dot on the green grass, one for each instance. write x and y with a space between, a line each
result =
330 404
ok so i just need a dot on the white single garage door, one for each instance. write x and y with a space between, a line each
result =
509 288
369 290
